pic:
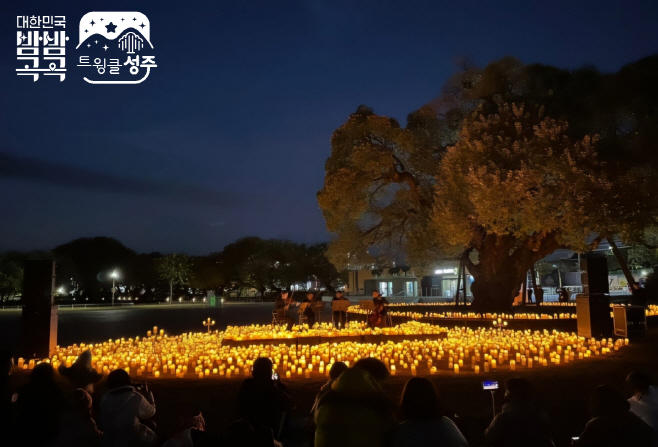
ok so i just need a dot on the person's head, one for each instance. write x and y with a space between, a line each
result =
339 293
607 401
376 294
420 400
639 383
310 296
519 390
117 379
336 370
43 374
284 294
82 401
262 369
374 366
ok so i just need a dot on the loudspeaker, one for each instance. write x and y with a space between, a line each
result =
594 275
593 315
39 317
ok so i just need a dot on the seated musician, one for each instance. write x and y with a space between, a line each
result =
340 317
378 315
381 302
309 312
281 305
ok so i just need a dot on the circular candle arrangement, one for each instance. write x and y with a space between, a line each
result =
469 315
353 328
201 355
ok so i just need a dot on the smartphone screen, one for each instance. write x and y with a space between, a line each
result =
275 376
490 385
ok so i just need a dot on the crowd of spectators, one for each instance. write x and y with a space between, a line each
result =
350 410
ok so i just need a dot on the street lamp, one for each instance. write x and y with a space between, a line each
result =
114 276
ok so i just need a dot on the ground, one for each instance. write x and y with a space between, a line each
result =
565 388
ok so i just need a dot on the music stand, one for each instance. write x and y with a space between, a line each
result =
340 306
367 305
317 310
300 312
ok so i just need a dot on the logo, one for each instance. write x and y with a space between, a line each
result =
116 47
40 46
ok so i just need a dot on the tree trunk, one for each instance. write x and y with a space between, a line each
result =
623 265
502 269
171 292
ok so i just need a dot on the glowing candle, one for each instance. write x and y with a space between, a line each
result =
456 368
477 369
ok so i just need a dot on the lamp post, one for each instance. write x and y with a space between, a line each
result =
114 276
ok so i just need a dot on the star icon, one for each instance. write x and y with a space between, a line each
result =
96 41
106 47
122 19
88 45
86 31
142 25
92 23
134 19
111 28
101 19
23 37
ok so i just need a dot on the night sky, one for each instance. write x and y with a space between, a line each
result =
229 134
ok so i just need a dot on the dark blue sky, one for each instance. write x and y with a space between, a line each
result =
229 135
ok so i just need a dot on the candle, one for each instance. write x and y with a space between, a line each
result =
157 374
287 374
456 368
477 369
512 365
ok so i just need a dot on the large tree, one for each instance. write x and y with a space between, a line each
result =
494 174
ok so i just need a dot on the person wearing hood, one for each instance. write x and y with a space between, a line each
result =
355 413
122 409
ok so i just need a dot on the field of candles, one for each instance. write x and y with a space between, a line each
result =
408 349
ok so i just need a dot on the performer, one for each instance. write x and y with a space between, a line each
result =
281 305
309 312
340 317
378 315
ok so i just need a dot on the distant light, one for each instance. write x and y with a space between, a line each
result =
444 271
114 274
